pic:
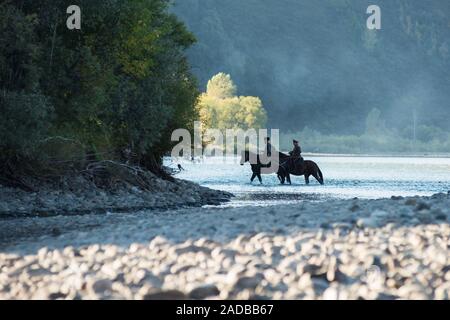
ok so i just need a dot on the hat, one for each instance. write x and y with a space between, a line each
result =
294 141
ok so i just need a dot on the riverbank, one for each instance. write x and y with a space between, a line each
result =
394 248
76 195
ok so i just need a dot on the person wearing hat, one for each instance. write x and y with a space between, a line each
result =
297 151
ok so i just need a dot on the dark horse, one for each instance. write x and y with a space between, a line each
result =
259 168
305 168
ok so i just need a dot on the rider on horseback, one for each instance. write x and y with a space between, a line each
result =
296 154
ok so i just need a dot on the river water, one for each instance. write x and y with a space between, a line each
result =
345 177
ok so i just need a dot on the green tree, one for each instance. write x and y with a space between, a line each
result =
25 112
122 81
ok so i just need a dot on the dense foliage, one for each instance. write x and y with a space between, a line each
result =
122 82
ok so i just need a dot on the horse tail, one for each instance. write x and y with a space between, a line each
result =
320 175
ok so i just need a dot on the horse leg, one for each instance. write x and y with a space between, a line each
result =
288 178
307 178
315 175
253 177
281 174
259 178
280 178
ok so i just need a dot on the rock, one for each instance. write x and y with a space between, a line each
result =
375 220
56 232
56 296
325 225
406 212
423 206
319 285
191 248
203 292
439 215
379 214
425 216
411 202
335 274
367 223
136 190
247 282
165 295
442 292
386 296
100 287
175 255
315 270
331 293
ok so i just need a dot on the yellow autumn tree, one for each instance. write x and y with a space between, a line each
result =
219 107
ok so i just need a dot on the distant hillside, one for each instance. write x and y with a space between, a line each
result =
315 63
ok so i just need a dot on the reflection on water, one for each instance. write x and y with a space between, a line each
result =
345 177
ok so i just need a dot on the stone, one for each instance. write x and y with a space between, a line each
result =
247 282
367 222
442 292
165 295
303 261
56 232
379 214
319 285
423 206
99 287
439 215
331 293
203 292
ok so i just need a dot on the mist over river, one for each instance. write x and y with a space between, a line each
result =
345 177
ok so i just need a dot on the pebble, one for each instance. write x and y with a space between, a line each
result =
203 292
100 287
394 251
165 295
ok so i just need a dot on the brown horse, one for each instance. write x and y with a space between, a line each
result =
305 168
258 167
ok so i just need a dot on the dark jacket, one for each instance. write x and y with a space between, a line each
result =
269 149
296 152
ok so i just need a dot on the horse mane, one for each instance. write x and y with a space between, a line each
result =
283 155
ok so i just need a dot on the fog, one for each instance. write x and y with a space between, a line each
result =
315 63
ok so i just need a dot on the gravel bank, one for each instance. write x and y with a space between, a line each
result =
81 196
335 249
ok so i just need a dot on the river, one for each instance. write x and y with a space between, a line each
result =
345 177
